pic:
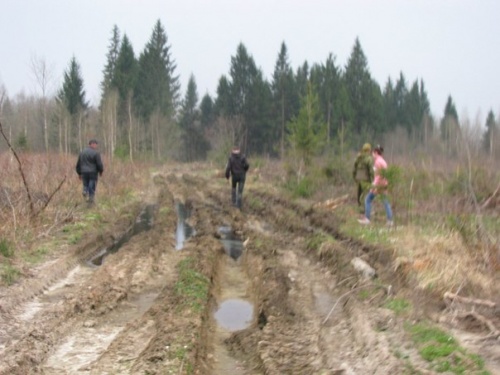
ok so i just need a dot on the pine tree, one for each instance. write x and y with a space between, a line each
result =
326 79
450 127
364 93
157 86
243 72
307 131
245 99
491 134
207 108
71 96
72 93
111 58
400 97
124 81
195 145
390 105
284 94
302 77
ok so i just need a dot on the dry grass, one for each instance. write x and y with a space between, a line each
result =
56 193
440 262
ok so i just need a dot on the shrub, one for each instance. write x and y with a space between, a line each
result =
6 248
303 188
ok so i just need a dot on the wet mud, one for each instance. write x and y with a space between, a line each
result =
192 285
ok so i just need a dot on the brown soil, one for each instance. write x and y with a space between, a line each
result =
313 313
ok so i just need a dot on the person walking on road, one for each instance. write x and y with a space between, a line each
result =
236 168
88 167
362 173
379 187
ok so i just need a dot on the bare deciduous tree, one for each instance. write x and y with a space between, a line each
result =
43 77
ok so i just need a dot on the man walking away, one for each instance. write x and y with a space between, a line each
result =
88 167
237 167
363 173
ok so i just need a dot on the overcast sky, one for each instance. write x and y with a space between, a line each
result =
453 45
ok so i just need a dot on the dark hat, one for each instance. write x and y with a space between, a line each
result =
93 141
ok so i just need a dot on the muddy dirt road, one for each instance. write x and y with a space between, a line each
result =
183 283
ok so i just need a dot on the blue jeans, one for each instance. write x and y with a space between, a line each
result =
368 205
89 181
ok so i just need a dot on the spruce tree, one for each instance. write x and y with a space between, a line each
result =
284 94
246 99
450 127
307 131
207 108
490 134
72 97
111 58
195 145
124 81
364 93
157 86
326 79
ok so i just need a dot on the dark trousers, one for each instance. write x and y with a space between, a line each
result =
237 185
363 189
89 181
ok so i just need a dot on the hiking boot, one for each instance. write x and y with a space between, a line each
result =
364 221
389 223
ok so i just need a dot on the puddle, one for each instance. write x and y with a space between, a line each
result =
183 230
232 243
143 223
234 314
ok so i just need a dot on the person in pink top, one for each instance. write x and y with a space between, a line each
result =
379 187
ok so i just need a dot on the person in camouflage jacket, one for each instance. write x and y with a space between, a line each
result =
362 173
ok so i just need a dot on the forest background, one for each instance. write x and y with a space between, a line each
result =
313 109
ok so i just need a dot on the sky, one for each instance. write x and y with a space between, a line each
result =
452 45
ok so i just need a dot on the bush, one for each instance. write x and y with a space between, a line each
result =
303 188
6 248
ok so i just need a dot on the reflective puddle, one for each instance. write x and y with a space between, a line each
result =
231 242
143 223
234 314
183 230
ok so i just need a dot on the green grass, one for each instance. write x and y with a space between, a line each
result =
315 240
442 351
37 255
93 217
364 294
6 248
9 274
191 286
398 305
374 233
304 188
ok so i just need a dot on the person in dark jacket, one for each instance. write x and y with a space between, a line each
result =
237 167
88 167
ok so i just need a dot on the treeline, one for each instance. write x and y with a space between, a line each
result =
315 108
